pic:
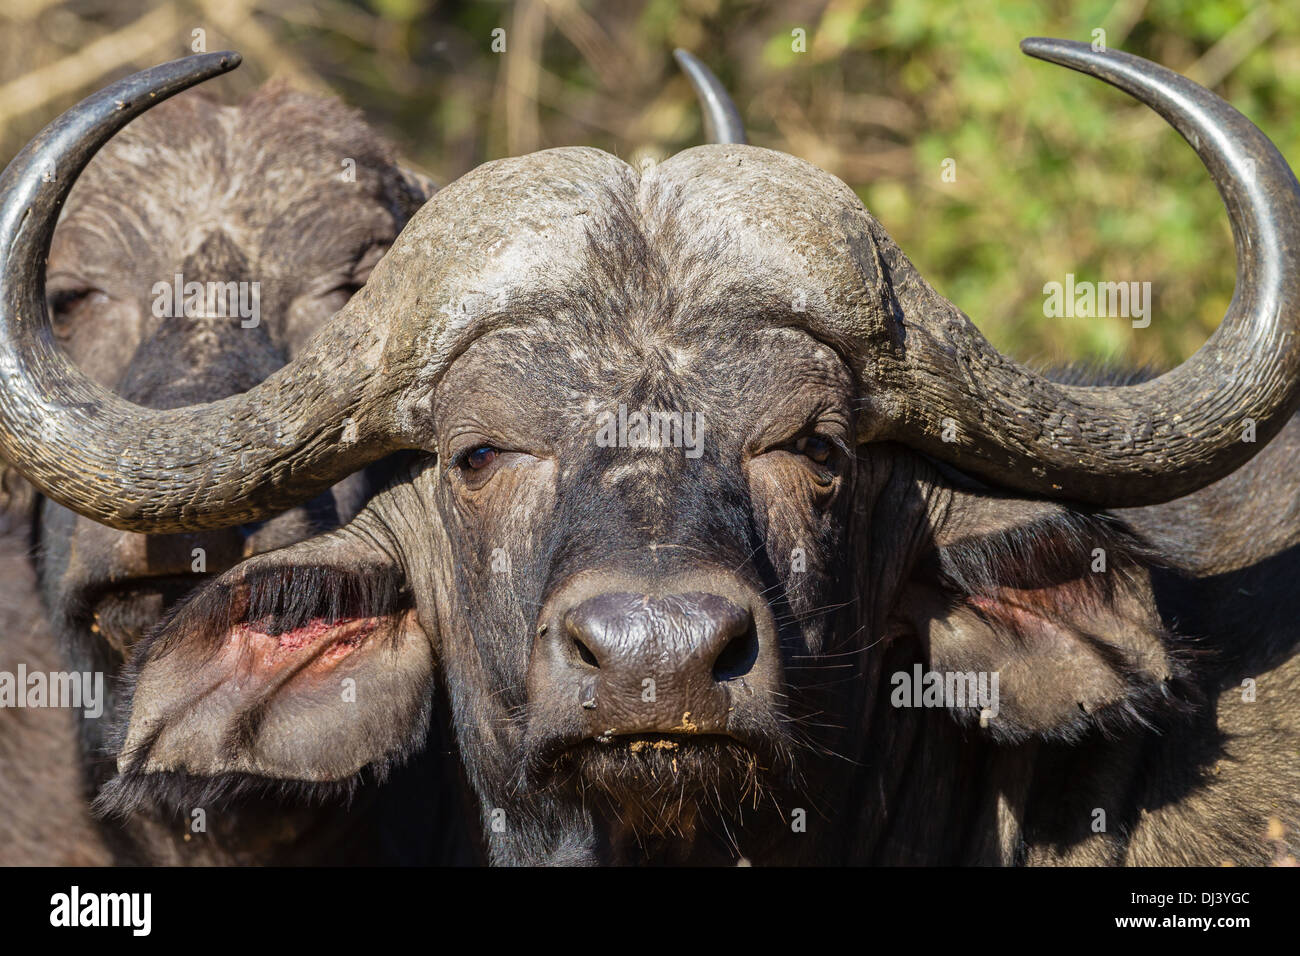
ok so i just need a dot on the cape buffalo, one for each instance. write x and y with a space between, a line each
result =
716 531
285 202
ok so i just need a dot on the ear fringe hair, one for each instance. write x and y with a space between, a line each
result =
274 598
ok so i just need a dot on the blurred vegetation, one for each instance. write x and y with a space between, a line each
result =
1055 173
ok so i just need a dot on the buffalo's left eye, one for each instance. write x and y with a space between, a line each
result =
479 458
815 448
67 305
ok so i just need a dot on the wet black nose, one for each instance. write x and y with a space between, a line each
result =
658 664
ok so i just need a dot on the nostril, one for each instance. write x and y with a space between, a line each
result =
584 652
580 626
738 657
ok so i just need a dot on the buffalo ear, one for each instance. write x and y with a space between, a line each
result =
1054 609
297 665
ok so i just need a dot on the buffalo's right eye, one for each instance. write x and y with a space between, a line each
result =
474 466
816 448
479 458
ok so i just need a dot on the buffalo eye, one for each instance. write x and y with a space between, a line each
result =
479 458
66 305
816 448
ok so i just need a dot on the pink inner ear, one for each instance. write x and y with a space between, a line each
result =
325 642
1006 608
1025 611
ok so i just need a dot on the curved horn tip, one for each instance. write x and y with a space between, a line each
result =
188 70
685 58
207 65
1062 52
211 64
1037 46
722 123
